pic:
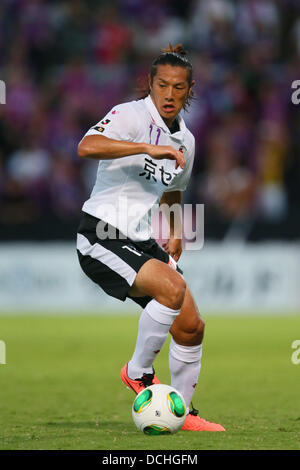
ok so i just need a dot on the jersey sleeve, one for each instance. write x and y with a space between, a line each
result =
181 180
121 123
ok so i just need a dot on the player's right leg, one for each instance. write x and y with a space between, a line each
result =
157 280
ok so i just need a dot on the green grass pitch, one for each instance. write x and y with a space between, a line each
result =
60 388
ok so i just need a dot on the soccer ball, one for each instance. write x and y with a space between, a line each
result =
159 409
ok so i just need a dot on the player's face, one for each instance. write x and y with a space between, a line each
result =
169 91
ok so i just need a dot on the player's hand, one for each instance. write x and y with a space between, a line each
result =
161 152
174 247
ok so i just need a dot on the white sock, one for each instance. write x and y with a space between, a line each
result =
185 365
154 325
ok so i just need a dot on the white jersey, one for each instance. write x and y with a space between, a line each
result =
127 188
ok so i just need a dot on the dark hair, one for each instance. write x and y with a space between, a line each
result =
174 56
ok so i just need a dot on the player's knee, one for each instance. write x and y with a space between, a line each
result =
191 333
176 293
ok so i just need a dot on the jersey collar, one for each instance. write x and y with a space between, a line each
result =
158 120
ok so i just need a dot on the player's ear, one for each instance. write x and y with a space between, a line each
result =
191 88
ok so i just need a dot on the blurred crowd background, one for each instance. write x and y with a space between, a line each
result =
67 63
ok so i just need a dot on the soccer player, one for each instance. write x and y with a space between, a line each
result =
145 155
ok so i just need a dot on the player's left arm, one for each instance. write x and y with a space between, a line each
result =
173 196
173 246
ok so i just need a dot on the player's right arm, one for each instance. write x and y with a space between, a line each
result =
100 147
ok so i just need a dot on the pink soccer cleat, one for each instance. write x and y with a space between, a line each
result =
193 422
138 384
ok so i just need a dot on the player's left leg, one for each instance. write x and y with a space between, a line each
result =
185 359
186 347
